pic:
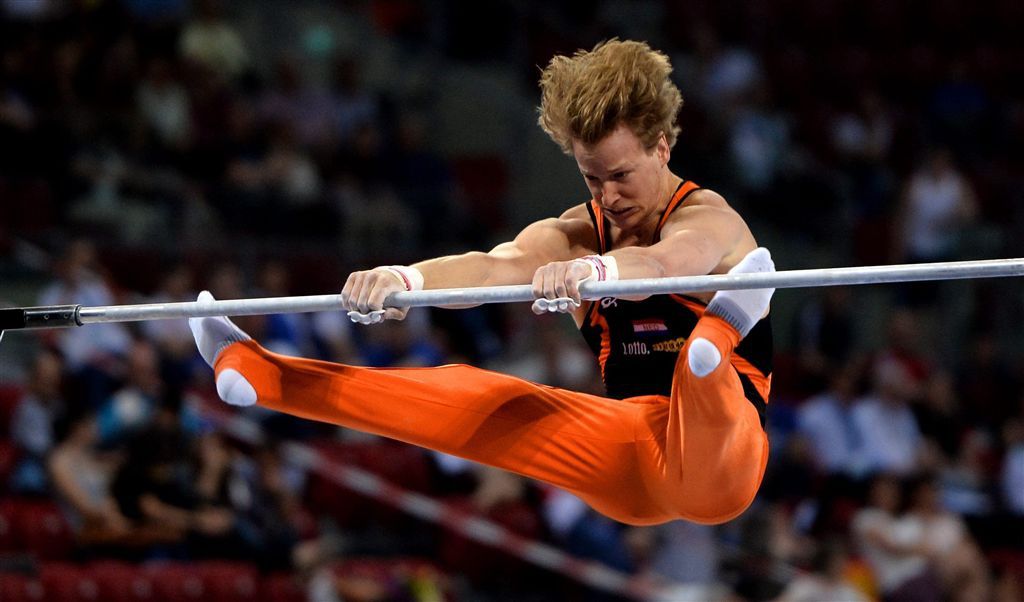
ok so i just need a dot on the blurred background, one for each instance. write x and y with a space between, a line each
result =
153 148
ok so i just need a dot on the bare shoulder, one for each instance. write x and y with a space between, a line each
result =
707 217
705 197
705 208
572 231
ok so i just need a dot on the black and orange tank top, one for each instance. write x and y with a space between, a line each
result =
637 342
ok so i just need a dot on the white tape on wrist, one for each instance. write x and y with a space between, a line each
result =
603 268
411 277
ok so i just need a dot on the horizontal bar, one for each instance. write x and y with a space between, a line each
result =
956 270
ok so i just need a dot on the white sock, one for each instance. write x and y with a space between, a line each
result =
212 335
743 309
740 309
703 357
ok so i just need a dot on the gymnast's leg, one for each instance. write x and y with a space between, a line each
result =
583 443
715 449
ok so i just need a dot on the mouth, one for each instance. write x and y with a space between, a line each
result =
620 213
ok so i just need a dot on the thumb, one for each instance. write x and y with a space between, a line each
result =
395 313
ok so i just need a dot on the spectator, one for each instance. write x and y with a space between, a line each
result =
944 537
890 437
899 562
82 478
265 492
824 334
828 422
826 582
1013 467
174 481
32 426
354 107
134 405
172 337
211 40
94 356
937 205
164 105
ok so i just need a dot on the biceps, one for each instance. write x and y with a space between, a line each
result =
689 252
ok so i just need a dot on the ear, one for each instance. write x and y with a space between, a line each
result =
663 149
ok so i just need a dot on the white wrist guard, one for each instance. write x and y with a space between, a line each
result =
603 268
410 276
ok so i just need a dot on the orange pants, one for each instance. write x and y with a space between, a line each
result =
698 455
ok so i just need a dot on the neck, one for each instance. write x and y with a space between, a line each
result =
667 188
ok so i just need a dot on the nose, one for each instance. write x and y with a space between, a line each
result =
609 193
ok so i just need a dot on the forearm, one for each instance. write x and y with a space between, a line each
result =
457 271
476 269
648 262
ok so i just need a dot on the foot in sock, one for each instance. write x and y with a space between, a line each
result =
212 335
741 309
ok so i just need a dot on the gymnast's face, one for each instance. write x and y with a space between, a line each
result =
627 179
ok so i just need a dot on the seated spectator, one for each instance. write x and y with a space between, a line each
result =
211 40
826 581
82 477
898 560
1013 467
824 335
167 481
827 422
94 355
132 407
264 490
32 426
953 553
889 433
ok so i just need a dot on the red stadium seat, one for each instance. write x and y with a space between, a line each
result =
8 518
42 530
21 588
403 465
8 458
65 582
479 561
123 582
282 587
177 582
10 395
229 580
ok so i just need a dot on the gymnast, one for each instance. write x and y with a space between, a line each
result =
680 434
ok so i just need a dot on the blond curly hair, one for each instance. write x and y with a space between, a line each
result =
586 96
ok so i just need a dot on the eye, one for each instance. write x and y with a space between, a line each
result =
591 178
620 175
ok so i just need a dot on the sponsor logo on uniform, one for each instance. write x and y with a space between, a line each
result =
670 346
635 348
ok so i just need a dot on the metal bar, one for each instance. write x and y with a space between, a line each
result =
590 290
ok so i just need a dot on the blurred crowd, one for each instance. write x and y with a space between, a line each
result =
149 149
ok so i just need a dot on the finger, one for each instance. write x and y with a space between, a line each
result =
549 283
362 300
354 285
538 282
540 306
380 291
561 275
395 313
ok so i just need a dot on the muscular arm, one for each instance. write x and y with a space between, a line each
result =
512 262
706 238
